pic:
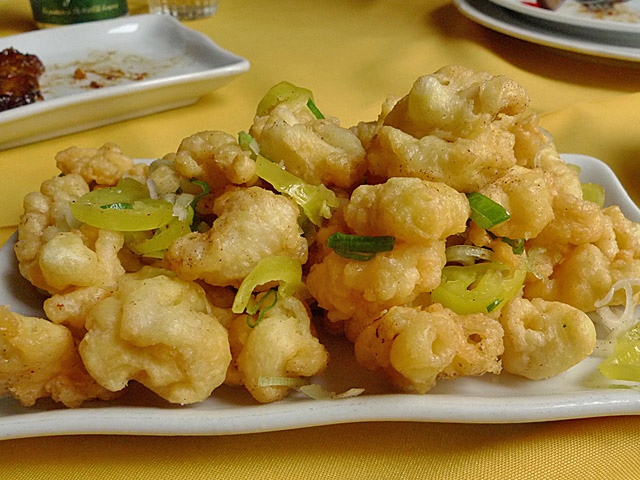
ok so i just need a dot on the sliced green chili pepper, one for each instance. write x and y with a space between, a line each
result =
477 288
280 93
316 200
594 193
161 239
285 270
624 364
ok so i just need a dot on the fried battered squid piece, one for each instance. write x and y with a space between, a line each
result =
420 215
543 339
39 359
415 347
283 344
316 150
160 331
47 217
580 259
455 102
103 166
410 209
457 126
19 79
78 266
526 194
253 223
46 213
358 292
215 158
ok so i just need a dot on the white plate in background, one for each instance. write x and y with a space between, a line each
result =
622 17
142 64
577 393
573 39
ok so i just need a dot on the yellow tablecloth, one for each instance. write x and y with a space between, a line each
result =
352 53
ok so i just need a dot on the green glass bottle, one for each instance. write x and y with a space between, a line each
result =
49 13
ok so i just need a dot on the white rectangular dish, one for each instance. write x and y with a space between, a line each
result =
132 66
577 393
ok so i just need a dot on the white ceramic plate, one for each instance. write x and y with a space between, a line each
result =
565 37
488 399
141 64
622 17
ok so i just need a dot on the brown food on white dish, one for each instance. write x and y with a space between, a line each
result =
19 79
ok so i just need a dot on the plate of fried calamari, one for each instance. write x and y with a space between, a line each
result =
440 263
59 81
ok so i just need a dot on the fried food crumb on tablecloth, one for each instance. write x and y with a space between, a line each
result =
190 303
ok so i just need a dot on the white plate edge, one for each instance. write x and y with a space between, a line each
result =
536 34
552 16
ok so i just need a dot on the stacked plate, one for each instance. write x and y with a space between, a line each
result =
612 32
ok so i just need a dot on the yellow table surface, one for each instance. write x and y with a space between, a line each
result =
352 53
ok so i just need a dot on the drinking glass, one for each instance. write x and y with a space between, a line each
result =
184 9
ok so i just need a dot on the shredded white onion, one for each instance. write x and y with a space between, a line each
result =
158 163
627 284
312 390
72 221
153 189
613 323
318 392
466 254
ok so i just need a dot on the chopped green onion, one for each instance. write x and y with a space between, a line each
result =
258 307
358 257
293 382
485 212
316 200
248 143
493 305
358 247
315 110
517 246
205 192
118 206
285 270
158 255
196 220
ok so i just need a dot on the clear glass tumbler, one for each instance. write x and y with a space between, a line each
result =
184 9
